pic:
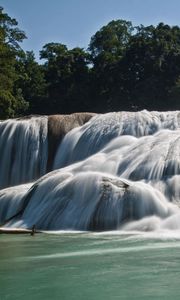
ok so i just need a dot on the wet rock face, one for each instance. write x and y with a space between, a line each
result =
58 127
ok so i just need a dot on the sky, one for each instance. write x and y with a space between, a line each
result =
73 22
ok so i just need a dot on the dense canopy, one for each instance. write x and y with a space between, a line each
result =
123 68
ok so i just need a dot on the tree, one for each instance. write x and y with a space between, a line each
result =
107 48
66 72
111 39
11 100
32 82
152 65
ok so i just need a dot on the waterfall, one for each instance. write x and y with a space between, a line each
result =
117 171
23 150
28 145
94 135
11 201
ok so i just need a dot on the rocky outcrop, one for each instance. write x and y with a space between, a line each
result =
58 127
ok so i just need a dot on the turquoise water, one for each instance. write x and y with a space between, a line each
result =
89 266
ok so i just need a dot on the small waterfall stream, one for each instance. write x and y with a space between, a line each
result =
23 150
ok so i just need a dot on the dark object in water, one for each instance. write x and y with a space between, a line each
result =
6 230
33 230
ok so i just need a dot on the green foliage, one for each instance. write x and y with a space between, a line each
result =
152 62
111 39
124 68
31 81
6 104
137 68
66 73
107 48
10 36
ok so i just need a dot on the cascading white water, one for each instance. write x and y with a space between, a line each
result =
23 150
118 171
102 129
91 201
11 201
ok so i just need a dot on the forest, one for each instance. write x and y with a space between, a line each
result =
125 67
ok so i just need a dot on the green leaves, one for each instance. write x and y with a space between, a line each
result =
124 68
66 74
10 36
112 38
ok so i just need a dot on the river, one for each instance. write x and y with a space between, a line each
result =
101 266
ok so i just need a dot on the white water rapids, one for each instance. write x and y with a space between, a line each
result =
119 171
